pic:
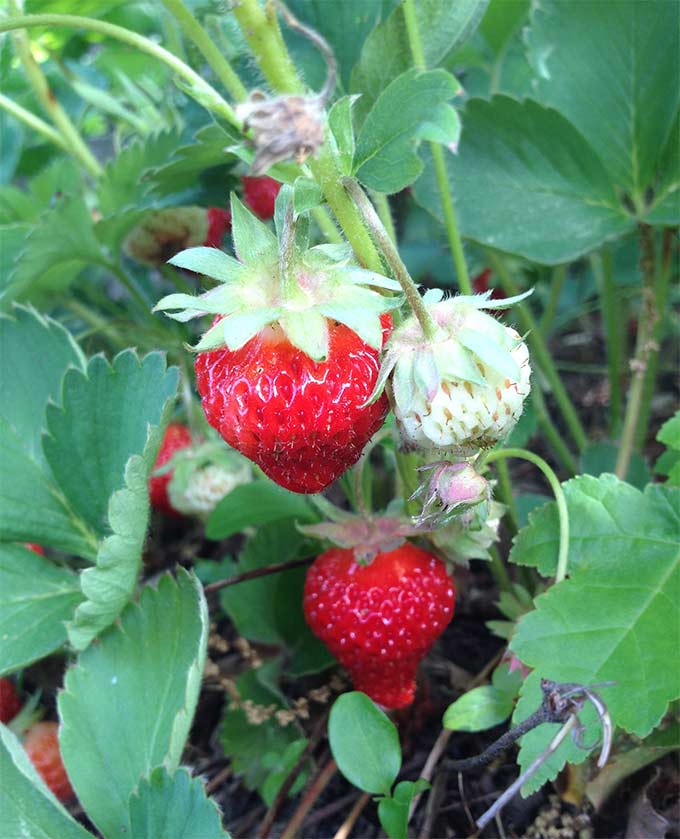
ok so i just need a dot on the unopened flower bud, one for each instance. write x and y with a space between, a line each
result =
449 488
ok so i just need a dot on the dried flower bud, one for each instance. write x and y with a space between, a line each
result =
285 128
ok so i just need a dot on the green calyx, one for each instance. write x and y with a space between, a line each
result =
466 338
278 279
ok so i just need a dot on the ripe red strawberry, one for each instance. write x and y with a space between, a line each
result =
288 364
38 549
299 420
219 221
260 195
10 701
177 437
41 744
379 619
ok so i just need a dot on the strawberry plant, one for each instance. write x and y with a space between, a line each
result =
314 325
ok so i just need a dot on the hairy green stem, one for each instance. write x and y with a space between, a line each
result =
73 142
438 159
661 291
541 354
196 33
558 492
645 349
388 248
264 39
203 92
612 316
33 121
556 285
382 205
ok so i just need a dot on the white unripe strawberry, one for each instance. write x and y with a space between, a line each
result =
463 389
207 486
203 474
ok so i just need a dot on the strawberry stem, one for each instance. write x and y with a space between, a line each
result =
560 499
386 245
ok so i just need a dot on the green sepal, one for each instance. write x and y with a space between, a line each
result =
253 240
490 353
236 330
308 331
210 262
426 376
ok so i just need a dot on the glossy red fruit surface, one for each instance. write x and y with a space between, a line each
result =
10 701
299 420
177 437
260 195
42 747
219 221
381 619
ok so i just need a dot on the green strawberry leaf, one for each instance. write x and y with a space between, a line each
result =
609 621
28 807
102 444
125 183
156 654
103 419
189 162
31 507
612 516
255 504
393 811
559 187
406 111
387 53
55 252
486 706
364 743
631 76
669 462
35 352
37 597
263 608
173 805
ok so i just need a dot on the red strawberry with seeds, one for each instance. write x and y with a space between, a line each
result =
41 744
177 437
292 355
260 195
299 420
379 619
10 701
